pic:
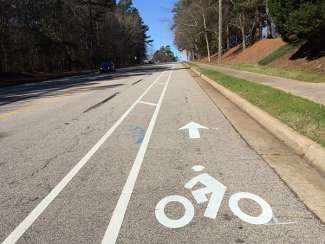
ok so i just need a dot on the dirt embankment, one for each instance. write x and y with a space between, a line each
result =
253 54
288 62
261 49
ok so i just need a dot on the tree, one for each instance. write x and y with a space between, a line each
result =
299 20
125 5
57 35
199 25
191 21
164 54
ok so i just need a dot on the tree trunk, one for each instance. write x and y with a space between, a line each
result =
228 37
208 46
242 29
269 28
257 25
268 19
4 60
220 33
206 35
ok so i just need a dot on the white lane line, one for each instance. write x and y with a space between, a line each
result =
116 221
148 103
39 209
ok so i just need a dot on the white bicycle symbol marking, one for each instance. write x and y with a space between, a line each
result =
217 191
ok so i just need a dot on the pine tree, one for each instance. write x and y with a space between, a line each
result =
299 20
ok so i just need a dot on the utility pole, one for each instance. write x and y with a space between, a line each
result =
220 33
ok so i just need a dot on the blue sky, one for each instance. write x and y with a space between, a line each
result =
158 16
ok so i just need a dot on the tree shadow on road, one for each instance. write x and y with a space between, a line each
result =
83 83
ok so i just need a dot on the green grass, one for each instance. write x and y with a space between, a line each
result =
291 74
304 116
277 54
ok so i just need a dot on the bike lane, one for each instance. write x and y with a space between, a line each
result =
224 156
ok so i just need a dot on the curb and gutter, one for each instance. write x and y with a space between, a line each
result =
303 146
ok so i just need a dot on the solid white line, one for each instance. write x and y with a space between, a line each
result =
116 221
39 209
148 103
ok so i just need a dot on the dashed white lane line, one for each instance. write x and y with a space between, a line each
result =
116 221
39 209
148 103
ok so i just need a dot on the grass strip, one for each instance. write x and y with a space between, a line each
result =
290 74
277 54
304 116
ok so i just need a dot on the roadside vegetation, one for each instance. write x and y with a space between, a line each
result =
197 31
291 74
205 29
299 20
164 54
244 22
56 35
277 54
304 116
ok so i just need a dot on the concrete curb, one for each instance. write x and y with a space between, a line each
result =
303 146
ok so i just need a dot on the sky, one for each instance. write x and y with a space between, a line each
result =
158 16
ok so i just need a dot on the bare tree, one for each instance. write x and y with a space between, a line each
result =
207 26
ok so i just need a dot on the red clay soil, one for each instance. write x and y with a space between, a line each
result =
263 48
317 65
214 58
254 53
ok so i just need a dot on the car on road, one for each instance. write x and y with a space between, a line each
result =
107 67
147 61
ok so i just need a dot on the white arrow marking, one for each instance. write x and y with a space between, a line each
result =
193 129
198 168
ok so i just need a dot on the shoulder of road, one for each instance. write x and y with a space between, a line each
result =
303 171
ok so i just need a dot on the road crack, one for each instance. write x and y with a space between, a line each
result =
48 162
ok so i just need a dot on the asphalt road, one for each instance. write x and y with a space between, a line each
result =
101 159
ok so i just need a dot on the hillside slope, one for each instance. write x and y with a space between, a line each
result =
294 59
254 53
304 64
